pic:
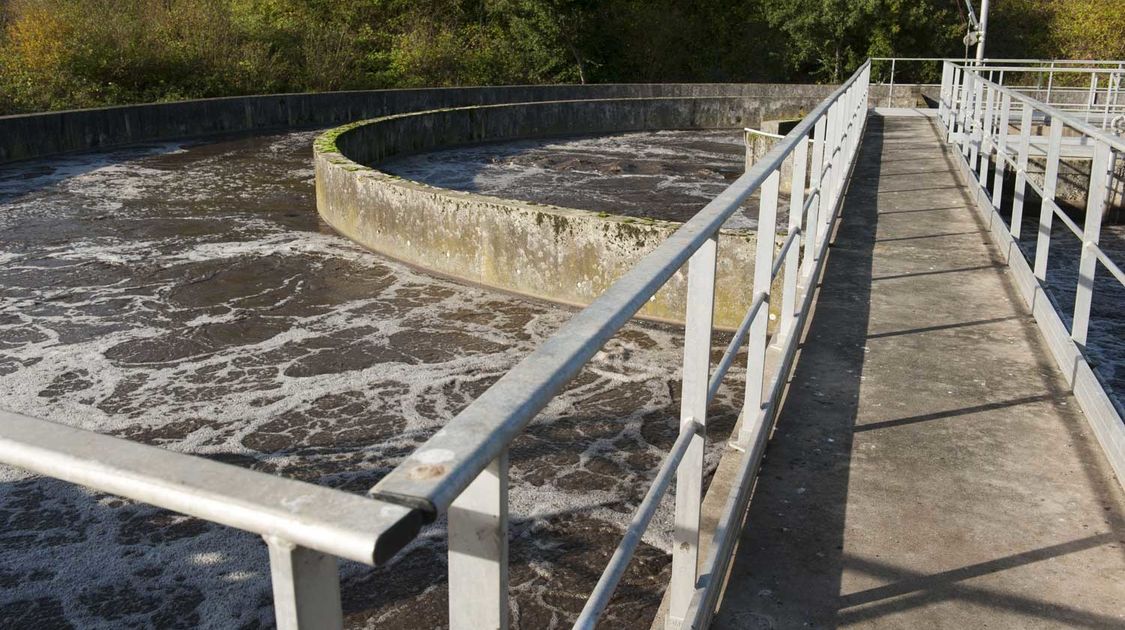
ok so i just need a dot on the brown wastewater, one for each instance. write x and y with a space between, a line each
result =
186 295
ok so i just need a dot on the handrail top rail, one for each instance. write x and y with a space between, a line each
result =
331 521
1068 119
759 132
441 468
1003 60
1063 70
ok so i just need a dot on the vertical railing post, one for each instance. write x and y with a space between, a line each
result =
826 181
1020 189
891 89
1092 97
1050 82
756 352
986 135
966 114
1046 210
1001 150
833 150
693 409
793 256
812 224
945 99
978 120
1096 198
306 587
478 551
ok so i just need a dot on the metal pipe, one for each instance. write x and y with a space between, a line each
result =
983 30
329 521
732 347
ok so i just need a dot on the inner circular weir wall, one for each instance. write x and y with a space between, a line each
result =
559 254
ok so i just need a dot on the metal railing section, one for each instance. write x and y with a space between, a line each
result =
462 471
996 131
306 526
1090 87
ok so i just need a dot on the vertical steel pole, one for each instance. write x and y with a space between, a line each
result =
1020 188
891 89
1092 97
986 136
793 256
478 551
812 224
1050 82
1096 197
756 353
967 91
978 119
826 180
983 30
306 587
1001 151
836 132
1046 210
954 103
946 97
693 408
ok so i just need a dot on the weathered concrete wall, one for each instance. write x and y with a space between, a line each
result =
904 95
555 253
38 135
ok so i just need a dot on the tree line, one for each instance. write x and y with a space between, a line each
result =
57 54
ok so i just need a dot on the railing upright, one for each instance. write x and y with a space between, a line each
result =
964 115
1019 190
1101 174
816 200
1001 150
978 121
986 133
793 254
1046 209
306 587
763 279
478 551
693 412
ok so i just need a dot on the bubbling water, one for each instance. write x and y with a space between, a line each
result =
186 295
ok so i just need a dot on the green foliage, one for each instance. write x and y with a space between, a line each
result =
82 53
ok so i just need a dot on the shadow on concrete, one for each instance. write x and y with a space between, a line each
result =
789 564
910 589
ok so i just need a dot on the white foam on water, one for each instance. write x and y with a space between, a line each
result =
208 342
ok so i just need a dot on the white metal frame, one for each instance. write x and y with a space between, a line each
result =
978 115
1100 100
441 473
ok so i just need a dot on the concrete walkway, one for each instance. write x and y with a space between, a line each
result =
929 469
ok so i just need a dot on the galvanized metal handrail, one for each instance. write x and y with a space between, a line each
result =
1043 68
978 115
306 526
462 470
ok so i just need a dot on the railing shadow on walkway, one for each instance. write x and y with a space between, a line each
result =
803 483
792 563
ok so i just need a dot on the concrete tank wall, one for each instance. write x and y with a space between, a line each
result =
38 135
560 254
